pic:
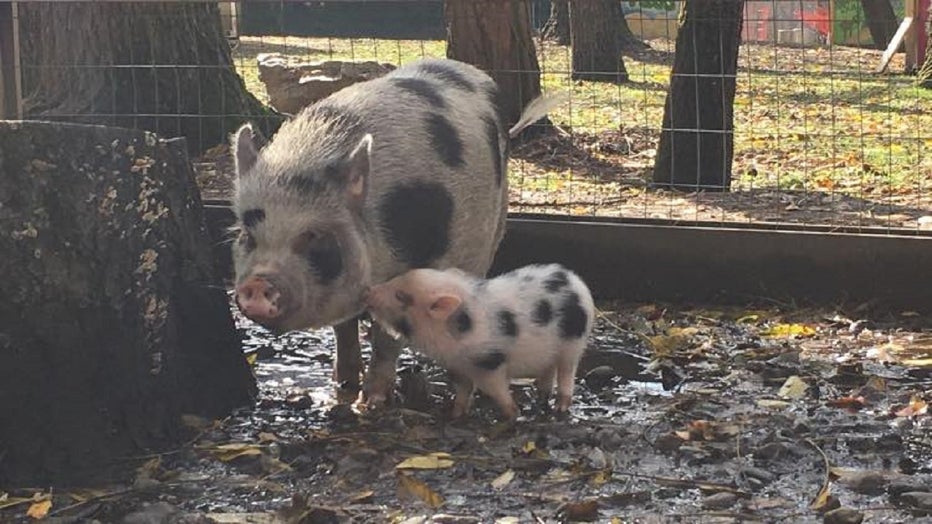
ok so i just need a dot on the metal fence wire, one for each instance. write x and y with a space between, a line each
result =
820 137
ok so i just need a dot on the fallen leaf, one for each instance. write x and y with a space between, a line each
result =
917 362
586 510
822 498
251 358
789 330
39 509
601 477
502 480
362 496
664 345
748 318
267 437
916 407
437 460
848 402
772 404
228 452
529 447
412 486
794 387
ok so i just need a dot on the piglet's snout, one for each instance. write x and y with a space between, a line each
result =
259 300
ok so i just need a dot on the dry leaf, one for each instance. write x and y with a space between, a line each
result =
529 447
267 437
228 452
772 404
504 479
822 498
789 330
412 486
794 387
362 496
39 509
601 477
916 407
917 362
437 460
848 402
664 345
586 510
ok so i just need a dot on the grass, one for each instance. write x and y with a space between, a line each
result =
805 119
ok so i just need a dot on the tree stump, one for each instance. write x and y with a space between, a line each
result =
113 322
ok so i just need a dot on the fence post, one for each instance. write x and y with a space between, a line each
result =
10 86
911 41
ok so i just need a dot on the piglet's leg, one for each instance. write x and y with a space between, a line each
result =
463 394
566 375
380 378
348 362
497 386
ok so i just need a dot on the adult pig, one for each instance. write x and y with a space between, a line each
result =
404 171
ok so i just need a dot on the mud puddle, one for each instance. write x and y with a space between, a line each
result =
681 415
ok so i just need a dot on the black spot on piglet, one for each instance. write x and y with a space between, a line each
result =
543 313
445 140
573 318
403 327
422 89
556 281
460 322
325 258
507 324
490 361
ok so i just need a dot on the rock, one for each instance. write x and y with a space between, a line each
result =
599 377
917 499
293 86
843 516
597 459
904 485
764 476
720 500
156 513
866 482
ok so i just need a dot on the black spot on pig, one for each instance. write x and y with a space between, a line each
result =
325 258
491 134
252 217
445 140
573 318
403 327
556 281
422 89
490 361
415 219
543 313
460 322
448 75
507 324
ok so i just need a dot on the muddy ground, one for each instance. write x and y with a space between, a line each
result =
682 414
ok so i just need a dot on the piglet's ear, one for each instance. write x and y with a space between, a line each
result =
444 305
246 145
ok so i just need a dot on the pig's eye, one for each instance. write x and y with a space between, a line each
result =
246 240
406 299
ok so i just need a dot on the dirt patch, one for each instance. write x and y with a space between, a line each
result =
681 414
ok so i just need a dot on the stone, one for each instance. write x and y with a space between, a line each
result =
291 85
843 516
721 500
917 499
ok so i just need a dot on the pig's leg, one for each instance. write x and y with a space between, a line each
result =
348 362
380 379
566 376
497 386
544 384
463 394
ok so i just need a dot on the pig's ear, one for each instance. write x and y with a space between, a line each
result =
444 305
246 145
356 171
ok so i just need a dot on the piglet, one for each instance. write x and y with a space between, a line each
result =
533 322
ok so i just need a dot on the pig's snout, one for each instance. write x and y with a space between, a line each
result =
259 300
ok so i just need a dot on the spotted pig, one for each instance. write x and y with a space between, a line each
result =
533 322
404 171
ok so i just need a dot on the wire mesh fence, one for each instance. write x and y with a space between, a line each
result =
819 136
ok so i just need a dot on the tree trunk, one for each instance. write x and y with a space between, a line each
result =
881 20
557 27
595 37
495 36
696 142
162 67
113 322
924 75
626 38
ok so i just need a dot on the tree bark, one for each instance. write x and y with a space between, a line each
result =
557 27
881 21
595 37
495 36
924 75
697 142
113 322
162 67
